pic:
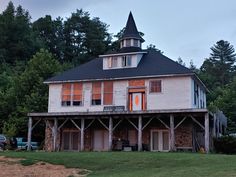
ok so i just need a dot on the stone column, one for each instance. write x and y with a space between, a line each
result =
110 133
172 133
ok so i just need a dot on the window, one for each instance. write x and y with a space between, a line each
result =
66 94
155 86
196 93
96 93
108 93
128 42
114 62
126 61
135 43
77 94
72 94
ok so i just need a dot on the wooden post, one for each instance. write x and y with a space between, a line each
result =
140 133
110 133
207 133
172 133
82 135
214 126
29 133
55 134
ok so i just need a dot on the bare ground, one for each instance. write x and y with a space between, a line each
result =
11 167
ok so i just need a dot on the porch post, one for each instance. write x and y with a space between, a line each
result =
172 133
29 133
214 125
140 133
82 135
110 133
55 134
207 133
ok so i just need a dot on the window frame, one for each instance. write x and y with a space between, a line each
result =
126 61
150 86
93 101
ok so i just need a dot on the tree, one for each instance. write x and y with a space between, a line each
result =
51 34
180 61
29 92
222 58
85 38
17 41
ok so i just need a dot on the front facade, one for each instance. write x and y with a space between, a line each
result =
131 99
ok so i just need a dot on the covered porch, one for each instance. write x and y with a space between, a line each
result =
157 130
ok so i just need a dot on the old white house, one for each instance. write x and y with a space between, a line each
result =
131 99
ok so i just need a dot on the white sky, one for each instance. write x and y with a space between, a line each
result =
183 28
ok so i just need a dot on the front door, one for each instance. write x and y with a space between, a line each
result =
137 101
160 140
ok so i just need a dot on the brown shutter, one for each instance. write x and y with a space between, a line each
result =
136 83
96 90
108 93
66 92
77 92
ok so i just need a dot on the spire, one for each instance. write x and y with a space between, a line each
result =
131 29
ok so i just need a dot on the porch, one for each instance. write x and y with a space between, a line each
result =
156 130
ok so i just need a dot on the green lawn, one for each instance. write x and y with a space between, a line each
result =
138 164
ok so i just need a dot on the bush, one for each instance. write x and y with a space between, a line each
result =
225 144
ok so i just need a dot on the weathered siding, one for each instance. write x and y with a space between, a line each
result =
175 94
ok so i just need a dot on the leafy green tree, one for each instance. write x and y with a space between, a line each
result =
29 92
85 38
17 41
51 34
227 103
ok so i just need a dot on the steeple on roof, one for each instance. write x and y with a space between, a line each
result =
131 29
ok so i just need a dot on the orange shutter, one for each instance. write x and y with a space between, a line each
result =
108 93
77 92
66 92
96 90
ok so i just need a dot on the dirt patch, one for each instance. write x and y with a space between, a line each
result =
11 167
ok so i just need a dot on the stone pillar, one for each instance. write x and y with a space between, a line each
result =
140 133
207 133
82 135
172 133
29 133
110 133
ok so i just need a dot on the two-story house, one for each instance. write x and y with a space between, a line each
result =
131 99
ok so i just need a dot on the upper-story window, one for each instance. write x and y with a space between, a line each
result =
196 93
108 93
72 94
128 42
112 62
96 93
126 61
77 94
66 95
136 43
155 86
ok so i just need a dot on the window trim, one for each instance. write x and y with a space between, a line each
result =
124 59
161 90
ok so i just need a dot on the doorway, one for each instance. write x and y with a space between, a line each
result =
71 140
160 140
100 140
137 101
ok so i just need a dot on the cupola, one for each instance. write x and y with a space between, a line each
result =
131 36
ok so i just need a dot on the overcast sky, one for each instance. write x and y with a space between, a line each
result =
183 28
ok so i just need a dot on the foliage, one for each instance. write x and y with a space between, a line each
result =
139 164
225 144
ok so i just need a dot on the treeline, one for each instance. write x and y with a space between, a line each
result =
31 52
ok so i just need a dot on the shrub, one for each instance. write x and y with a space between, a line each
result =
225 144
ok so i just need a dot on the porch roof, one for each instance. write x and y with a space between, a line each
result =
107 113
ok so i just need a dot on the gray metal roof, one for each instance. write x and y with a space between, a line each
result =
153 63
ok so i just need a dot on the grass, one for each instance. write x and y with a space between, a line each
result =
138 164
